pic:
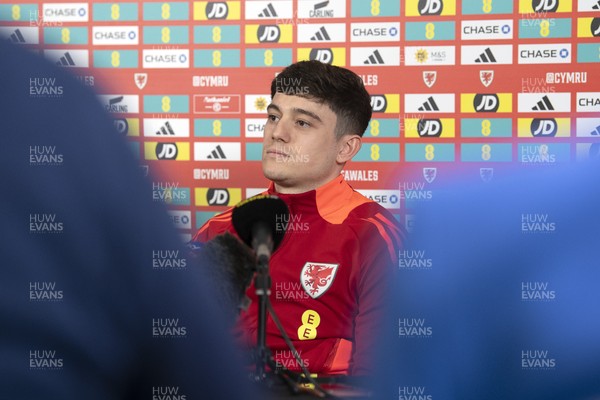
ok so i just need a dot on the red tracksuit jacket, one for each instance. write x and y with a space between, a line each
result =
329 276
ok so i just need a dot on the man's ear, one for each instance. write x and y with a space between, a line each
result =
348 146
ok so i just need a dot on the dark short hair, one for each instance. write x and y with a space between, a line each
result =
339 88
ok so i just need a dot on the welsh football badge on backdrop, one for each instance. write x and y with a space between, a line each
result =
429 78
486 77
140 79
429 174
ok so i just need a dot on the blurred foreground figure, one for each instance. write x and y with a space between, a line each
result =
509 307
97 300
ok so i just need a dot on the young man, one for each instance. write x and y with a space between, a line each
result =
332 270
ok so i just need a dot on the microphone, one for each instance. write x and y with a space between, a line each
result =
229 265
256 223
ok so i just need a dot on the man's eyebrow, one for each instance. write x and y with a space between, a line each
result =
273 107
295 110
306 112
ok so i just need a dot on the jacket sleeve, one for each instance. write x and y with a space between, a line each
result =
375 321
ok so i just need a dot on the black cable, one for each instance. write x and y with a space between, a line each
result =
322 392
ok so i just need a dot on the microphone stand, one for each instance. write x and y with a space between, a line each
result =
262 285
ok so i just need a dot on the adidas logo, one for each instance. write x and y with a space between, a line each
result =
543 105
217 154
374 58
17 37
596 6
486 57
596 132
429 105
268 12
166 129
321 34
66 60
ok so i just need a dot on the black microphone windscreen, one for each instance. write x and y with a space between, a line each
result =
268 209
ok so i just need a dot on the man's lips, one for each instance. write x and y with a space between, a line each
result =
277 153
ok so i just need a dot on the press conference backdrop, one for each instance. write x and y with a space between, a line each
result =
476 87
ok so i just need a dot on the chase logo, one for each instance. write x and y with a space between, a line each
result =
385 103
65 12
492 102
415 8
588 102
387 198
216 10
375 32
544 6
167 151
268 33
544 127
487 29
545 53
334 56
218 196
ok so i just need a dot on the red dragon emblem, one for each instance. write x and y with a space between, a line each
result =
316 278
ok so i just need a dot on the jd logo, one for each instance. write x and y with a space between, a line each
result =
216 10
268 33
544 127
166 151
323 55
217 197
378 103
429 127
486 103
544 5
430 7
